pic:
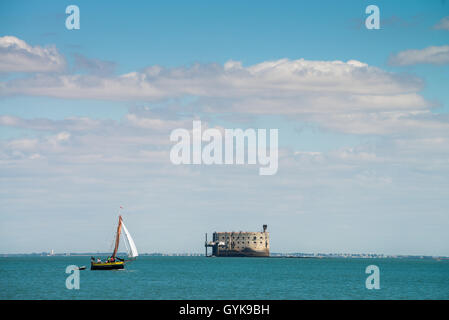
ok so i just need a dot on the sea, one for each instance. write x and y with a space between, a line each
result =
190 278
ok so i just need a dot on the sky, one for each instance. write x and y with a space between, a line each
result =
362 115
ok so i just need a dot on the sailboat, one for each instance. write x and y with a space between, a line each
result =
114 262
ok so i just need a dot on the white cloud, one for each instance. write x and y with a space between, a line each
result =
62 136
308 153
59 138
144 138
70 124
93 170
137 138
23 144
443 24
350 97
386 123
88 165
18 56
430 55
281 79
350 154
35 156
322 91
156 123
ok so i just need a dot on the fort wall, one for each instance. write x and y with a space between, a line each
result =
241 243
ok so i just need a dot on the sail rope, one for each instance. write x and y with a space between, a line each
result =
126 245
114 235
111 247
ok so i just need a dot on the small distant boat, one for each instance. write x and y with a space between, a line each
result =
82 268
114 262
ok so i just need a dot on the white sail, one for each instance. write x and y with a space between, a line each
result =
130 245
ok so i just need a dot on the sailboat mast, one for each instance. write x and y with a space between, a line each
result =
117 239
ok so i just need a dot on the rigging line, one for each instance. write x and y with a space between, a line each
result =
114 236
111 247
126 245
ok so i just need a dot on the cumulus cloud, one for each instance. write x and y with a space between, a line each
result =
430 55
22 144
156 124
41 124
280 78
66 168
139 137
18 56
81 161
321 91
143 137
443 24
350 97
413 124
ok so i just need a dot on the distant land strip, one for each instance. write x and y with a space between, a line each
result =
272 255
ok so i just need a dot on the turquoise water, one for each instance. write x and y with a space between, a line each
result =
225 278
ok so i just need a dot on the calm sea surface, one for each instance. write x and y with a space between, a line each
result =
225 278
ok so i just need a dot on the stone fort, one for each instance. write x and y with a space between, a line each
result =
240 244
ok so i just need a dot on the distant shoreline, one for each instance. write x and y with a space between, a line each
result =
273 255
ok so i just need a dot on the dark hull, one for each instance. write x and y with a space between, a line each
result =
242 253
107 266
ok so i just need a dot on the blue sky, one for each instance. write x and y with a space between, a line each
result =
363 155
